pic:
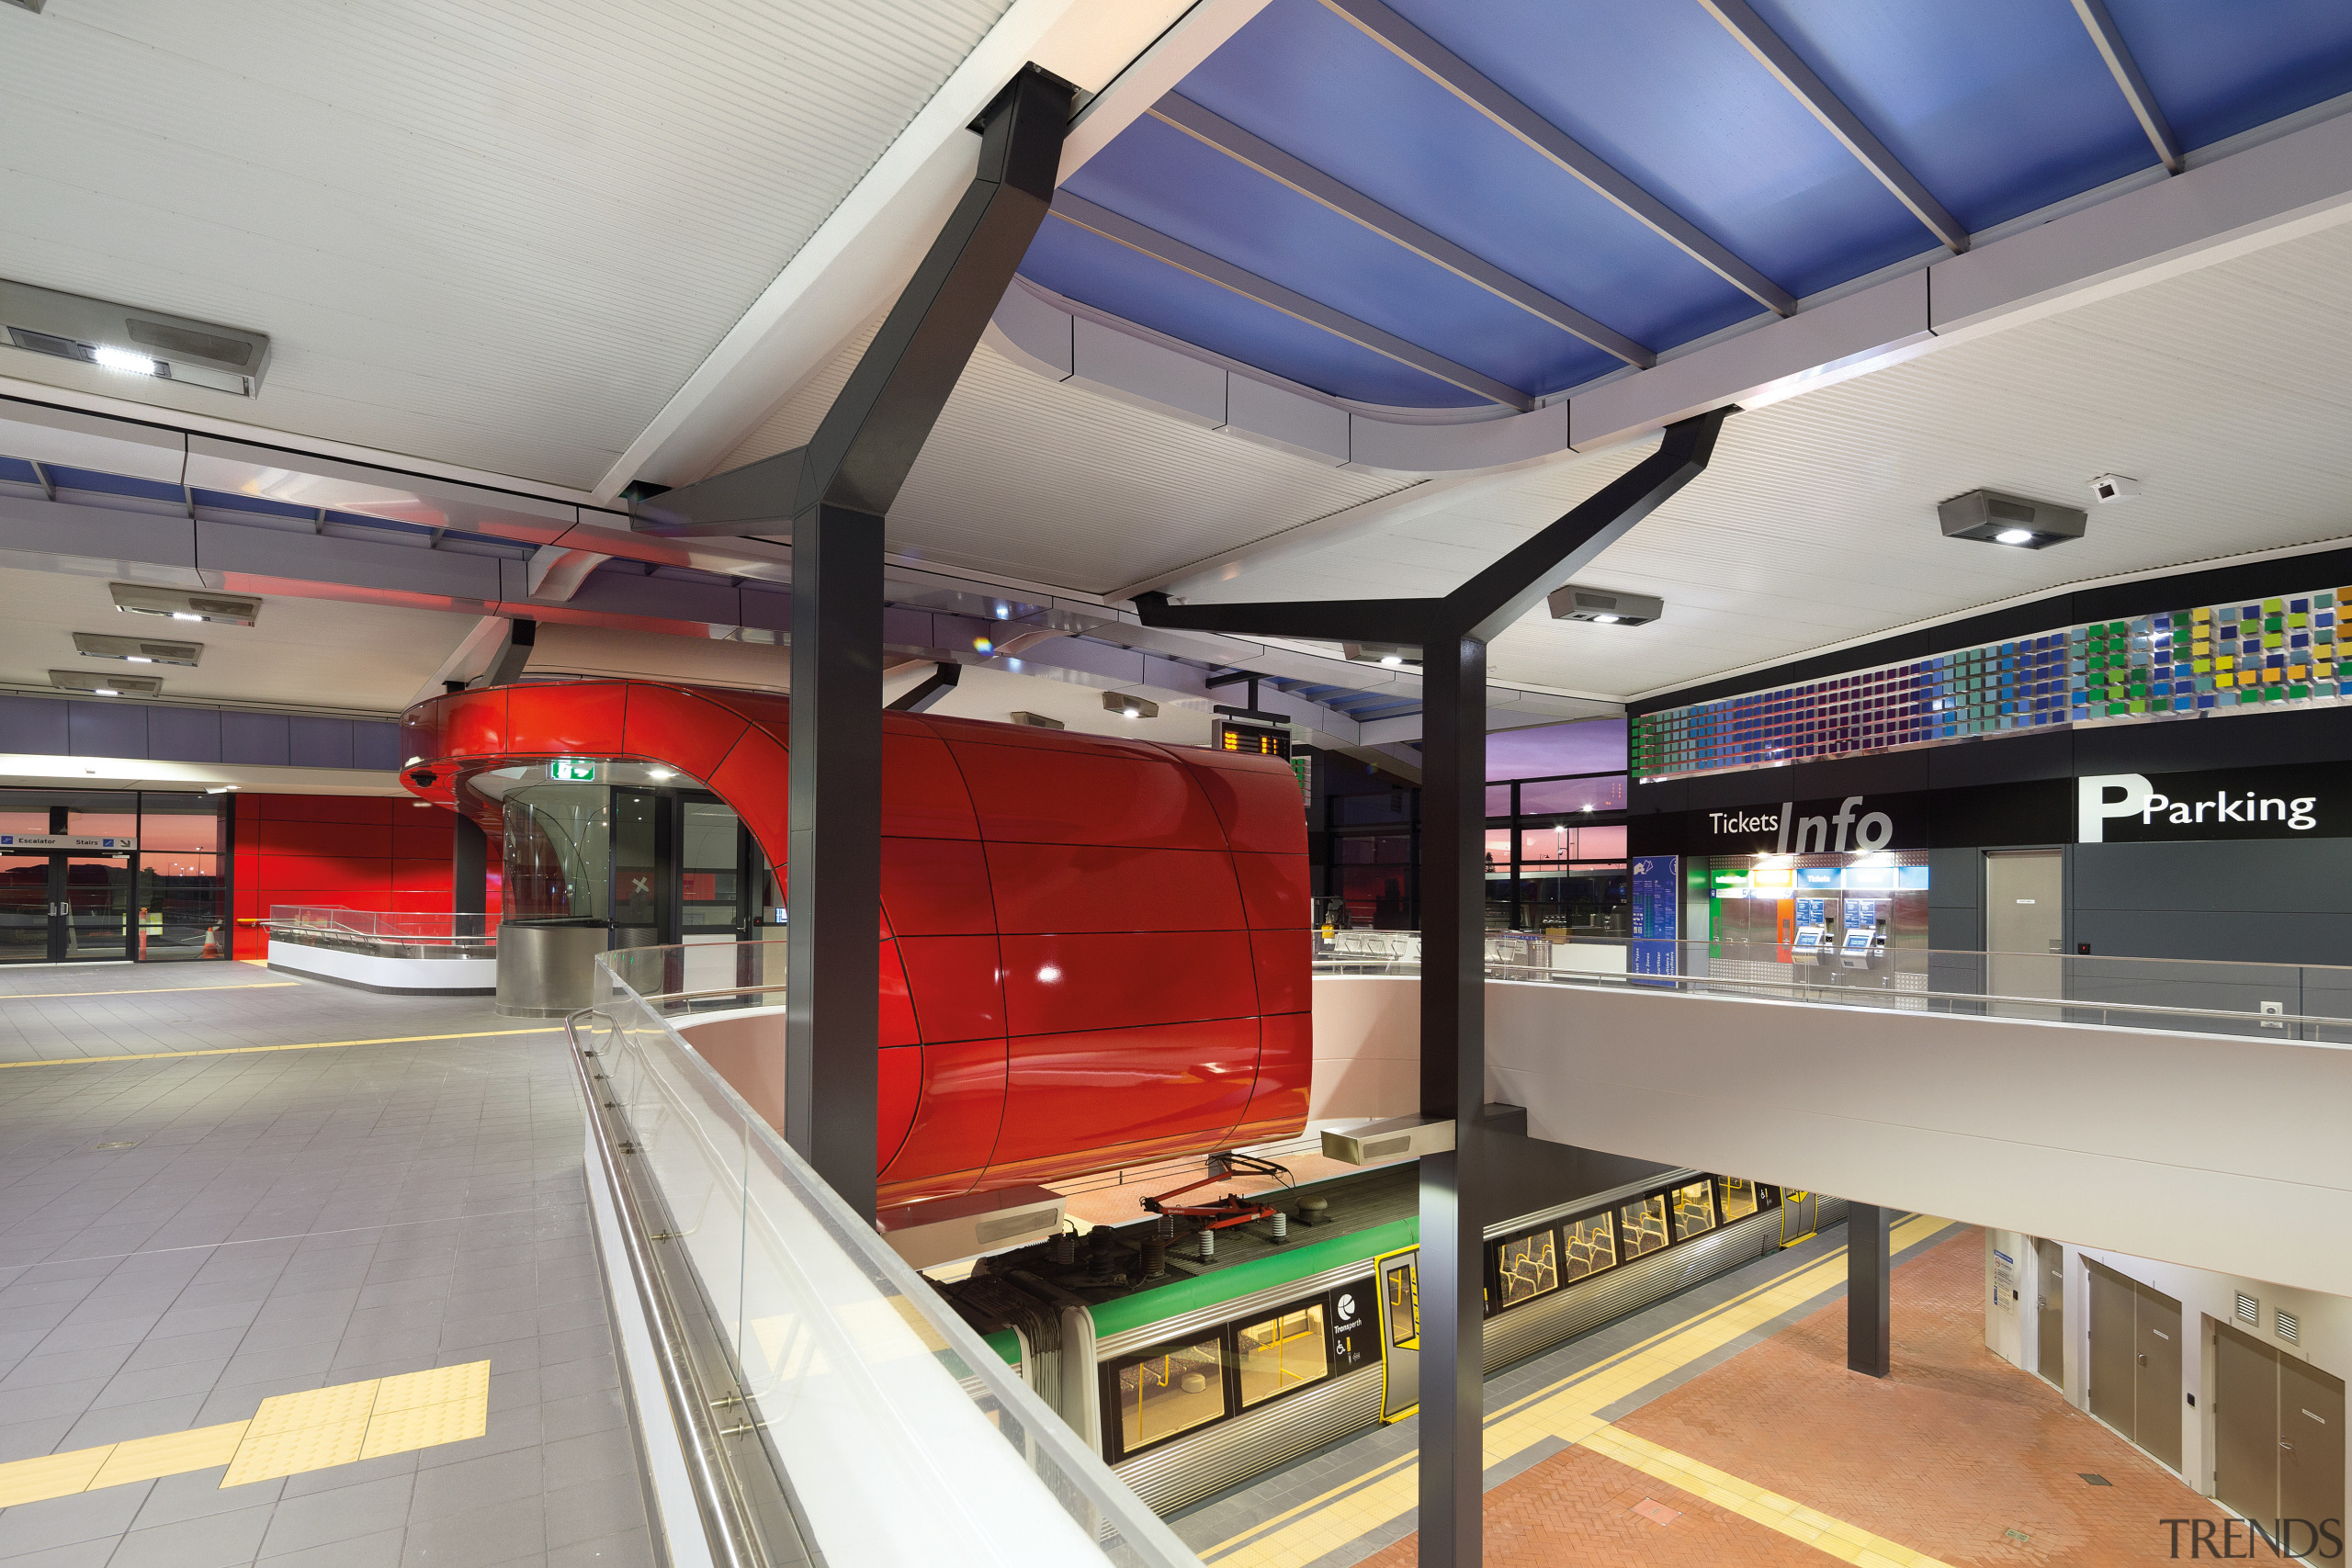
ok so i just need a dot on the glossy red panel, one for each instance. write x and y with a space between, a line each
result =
898 1013
272 875
1074 1094
473 724
374 809
1109 887
421 733
1285 1067
954 981
1285 962
583 719
1257 798
422 876
424 841
900 1091
955 1126
347 839
691 734
1076 797
922 792
1274 890
1027 737
935 886
753 779
1055 983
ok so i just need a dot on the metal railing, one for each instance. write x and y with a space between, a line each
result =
384 933
2304 1002
833 1407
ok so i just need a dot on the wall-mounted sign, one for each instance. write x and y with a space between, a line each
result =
1846 826
1655 890
2294 802
573 771
19 841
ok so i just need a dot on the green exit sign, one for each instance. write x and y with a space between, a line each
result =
572 771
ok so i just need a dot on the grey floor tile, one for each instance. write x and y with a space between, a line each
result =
214 1540
62 1521
145 1418
480 1539
323 1518
380 1549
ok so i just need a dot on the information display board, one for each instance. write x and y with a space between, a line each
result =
1655 889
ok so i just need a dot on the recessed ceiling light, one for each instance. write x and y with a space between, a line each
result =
184 616
1604 606
104 691
128 360
2014 536
135 342
1604 620
1990 517
1392 659
659 774
1128 707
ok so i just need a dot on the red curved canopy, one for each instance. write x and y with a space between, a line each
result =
1094 950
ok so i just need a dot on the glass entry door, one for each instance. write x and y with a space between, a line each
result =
64 908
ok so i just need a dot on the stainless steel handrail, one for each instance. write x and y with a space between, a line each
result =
726 1519
1835 993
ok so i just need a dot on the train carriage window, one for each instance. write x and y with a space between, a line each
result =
1695 1209
1642 1226
1281 1353
1591 1245
1170 1391
1403 1290
1738 1195
1528 1266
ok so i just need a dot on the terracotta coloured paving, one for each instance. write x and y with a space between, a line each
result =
1958 1455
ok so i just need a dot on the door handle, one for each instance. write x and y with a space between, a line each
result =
2289 1446
2144 1360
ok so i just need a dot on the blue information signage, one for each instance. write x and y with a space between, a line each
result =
1656 890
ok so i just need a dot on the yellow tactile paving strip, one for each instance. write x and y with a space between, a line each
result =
146 990
247 1050
291 1433
1570 1409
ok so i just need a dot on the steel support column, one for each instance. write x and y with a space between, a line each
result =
468 868
1870 1268
833 1008
1457 1200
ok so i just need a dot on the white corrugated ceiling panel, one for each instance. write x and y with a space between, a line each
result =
492 233
2225 392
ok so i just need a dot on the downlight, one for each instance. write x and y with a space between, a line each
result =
1990 517
95 685
1390 655
137 649
1128 707
132 341
1604 606
180 604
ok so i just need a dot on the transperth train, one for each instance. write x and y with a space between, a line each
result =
1197 1378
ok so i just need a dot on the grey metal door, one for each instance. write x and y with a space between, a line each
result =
2157 1346
2246 1424
2050 1311
2115 1377
2025 924
2311 1450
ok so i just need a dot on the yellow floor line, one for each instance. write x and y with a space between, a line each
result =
1570 1410
146 990
242 1050
291 1433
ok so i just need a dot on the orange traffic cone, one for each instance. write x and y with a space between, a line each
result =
211 941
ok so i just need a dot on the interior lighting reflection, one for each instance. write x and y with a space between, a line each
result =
1049 974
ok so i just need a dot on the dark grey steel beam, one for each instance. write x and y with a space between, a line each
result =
849 472
739 501
1465 81
1215 131
2126 72
1161 247
1789 69
1459 1192
935 686
1870 1273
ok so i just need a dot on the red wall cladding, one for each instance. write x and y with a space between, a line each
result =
352 852
1094 950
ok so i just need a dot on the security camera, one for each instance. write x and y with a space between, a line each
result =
2114 486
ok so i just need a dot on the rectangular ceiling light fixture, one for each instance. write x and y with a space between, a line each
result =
1604 606
92 686
137 649
180 604
134 341
1990 517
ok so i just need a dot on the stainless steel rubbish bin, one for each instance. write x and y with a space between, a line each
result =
548 968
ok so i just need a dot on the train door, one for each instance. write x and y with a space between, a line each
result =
1800 1216
1400 1332
2050 1311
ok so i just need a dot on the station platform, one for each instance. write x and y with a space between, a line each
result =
1722 1426
295 1274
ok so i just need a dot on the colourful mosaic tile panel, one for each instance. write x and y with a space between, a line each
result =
2209 661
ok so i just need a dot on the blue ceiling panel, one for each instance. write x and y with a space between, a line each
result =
2220 69
1666 96
1087 267
1165 180
1311 83
1998 107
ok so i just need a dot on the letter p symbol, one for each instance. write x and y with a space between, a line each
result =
2109 795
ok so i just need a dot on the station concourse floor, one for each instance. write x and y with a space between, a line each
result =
212 1198
1721 1426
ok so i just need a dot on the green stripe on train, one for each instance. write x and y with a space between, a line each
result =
1258 1274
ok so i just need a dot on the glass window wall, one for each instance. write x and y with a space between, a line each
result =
557 852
